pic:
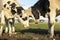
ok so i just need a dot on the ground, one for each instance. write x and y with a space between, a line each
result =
36 32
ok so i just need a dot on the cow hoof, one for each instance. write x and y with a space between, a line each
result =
14 33
0 35
51 38
10 34
6 32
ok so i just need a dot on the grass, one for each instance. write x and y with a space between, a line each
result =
19 26
42 25
37 31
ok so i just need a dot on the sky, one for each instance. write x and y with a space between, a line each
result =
27 3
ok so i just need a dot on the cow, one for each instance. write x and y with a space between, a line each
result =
11 9
50 7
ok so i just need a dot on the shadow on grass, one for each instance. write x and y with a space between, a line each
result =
38 31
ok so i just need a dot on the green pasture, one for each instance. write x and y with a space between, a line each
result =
40 25
36 32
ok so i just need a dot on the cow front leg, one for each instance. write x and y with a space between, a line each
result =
10 28
6 30
6 21
1 30
12 25
51 23
2 22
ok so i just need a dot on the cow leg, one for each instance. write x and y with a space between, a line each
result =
2 22
6 21
1 30
51 23
6 30
10 28
12 25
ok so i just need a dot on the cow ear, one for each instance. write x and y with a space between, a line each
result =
13 5
19 8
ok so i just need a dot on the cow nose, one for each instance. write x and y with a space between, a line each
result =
36 21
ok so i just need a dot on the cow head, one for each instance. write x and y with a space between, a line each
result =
25 19
42 7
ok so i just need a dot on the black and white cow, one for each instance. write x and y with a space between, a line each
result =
47 6
11 9
40 8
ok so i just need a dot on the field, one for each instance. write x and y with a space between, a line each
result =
36 32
